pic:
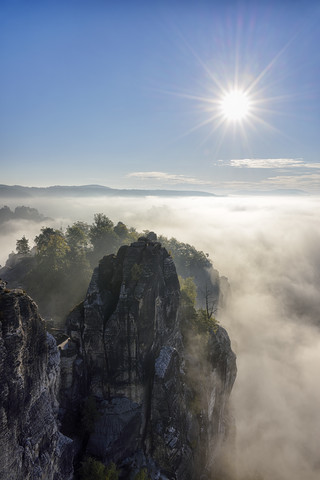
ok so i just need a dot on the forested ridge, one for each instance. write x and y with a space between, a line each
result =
56 266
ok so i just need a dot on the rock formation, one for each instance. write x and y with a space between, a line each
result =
133 388
31 446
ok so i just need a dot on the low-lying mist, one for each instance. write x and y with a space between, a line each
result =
269 250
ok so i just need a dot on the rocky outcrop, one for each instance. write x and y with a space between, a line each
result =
31 446
151 401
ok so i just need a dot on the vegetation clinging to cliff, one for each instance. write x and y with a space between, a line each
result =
92 469
201 320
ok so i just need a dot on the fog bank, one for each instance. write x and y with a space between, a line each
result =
269 250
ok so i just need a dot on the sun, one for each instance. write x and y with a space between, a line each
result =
235 106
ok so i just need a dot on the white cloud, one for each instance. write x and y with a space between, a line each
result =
312 165
268 163
169 177
310 182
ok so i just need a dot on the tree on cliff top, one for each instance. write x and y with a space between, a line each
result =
22 246
52 249
102 236
200 320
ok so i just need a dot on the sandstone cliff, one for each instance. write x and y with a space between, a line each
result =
157 403
31 446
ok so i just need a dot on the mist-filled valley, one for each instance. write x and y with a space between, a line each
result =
268 248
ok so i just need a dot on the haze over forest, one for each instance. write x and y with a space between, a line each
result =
268 249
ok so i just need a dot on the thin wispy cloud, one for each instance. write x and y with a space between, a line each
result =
169 177
309 182
270 163
267 163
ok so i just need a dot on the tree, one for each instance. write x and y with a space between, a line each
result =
78 266
52 249
121 230
201 320
47 281
112 472
188 290
210 300
188 260
22 246
92 469
77 237
142 475
100 225
103 238
205 323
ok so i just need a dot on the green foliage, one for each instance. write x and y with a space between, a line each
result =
52 249
121 230
101 229
92 469
50 267
200 320
112 473
136 271
142 475
188 290
134 235
186 257
191 262
102 236
89 414
79 269
22 246
205 323
77 237
188 294
124 234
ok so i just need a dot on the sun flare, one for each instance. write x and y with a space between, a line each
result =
235 106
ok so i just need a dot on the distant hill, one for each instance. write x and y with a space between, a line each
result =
21 213
18 191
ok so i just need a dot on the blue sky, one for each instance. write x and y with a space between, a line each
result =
127 94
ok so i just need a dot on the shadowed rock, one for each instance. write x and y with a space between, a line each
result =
31 446
126 351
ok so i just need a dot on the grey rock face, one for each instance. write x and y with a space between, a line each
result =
127 352
31 446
